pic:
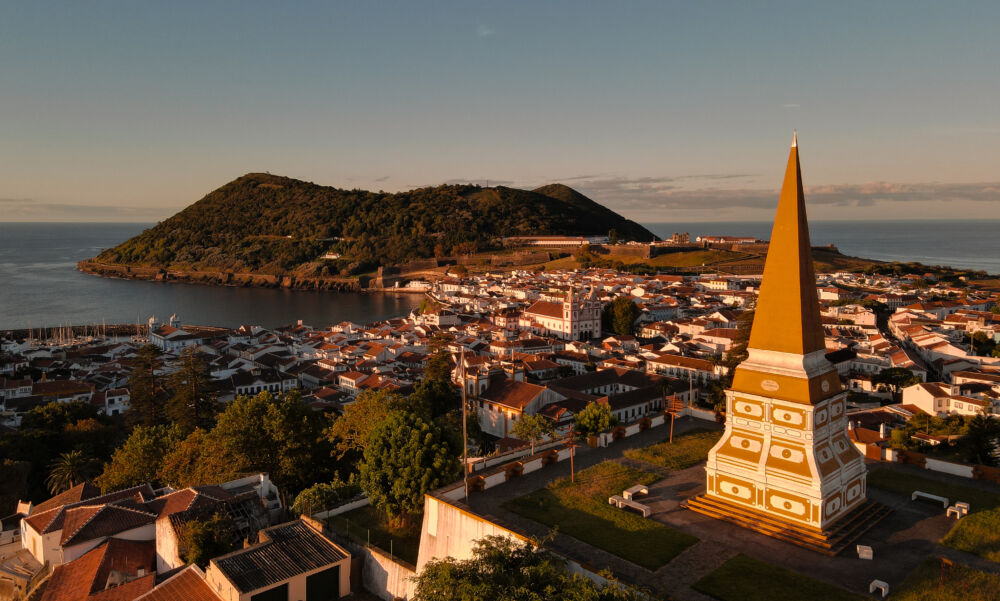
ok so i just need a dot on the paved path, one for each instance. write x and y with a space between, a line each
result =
690 566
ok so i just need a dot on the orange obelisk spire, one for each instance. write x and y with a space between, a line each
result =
787 318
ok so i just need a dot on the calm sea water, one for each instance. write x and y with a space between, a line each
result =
965 244
39 284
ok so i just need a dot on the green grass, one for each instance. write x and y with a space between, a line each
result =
368 524
977 533
928 582
744 578
581 510
687 450
905 483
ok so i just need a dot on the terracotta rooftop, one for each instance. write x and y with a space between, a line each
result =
187 585
96 521
511 393
86 578
78 493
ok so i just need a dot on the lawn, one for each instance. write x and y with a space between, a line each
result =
581 510
367 524
687 450
905 483
930 582
977 533
744 578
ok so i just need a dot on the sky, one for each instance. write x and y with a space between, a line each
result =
662 111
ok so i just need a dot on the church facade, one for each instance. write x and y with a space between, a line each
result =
576 318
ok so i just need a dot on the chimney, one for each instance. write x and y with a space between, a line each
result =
883 430
850 425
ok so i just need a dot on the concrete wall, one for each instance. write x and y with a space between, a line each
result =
167 553
698 413
955 469
342 508
449 531
384 576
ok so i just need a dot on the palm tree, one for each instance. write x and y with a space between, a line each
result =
68 470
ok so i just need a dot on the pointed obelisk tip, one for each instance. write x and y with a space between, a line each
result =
795 139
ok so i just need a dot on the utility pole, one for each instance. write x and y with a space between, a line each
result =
572 452
465 436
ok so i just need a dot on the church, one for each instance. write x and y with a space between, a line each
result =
785 466
576 318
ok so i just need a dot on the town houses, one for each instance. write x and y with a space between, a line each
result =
520 344
521 333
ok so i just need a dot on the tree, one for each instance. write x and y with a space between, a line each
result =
612 236
351 430
56 416
200 459
620 315
192 404
14 475
68 470
324 495
203 539
503 569
533 428
405 458
981 439
435 395
283 438
144 389
895 379
138 460
594 419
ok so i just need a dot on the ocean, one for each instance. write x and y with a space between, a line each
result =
40 286
964 244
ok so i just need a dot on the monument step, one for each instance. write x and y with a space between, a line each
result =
828 542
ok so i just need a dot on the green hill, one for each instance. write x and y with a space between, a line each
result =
272 224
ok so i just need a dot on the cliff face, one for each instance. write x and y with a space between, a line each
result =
272 225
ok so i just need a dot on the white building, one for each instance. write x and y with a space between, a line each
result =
573 319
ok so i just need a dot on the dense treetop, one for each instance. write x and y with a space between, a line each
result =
273 224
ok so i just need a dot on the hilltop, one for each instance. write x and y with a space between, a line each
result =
269 224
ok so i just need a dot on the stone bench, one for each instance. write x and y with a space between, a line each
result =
919 494
879 585
643 509
865 552
959 510
638 489
622 503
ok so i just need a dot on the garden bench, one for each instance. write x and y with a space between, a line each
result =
879 585
865 552
926 495
643 509
638 489
959 510
615 500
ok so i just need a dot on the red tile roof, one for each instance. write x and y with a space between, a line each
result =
78 493
86 578
187 585
546 308
90 522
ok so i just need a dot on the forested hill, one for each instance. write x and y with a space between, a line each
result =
272 224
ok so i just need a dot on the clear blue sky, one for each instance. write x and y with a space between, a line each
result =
664 111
